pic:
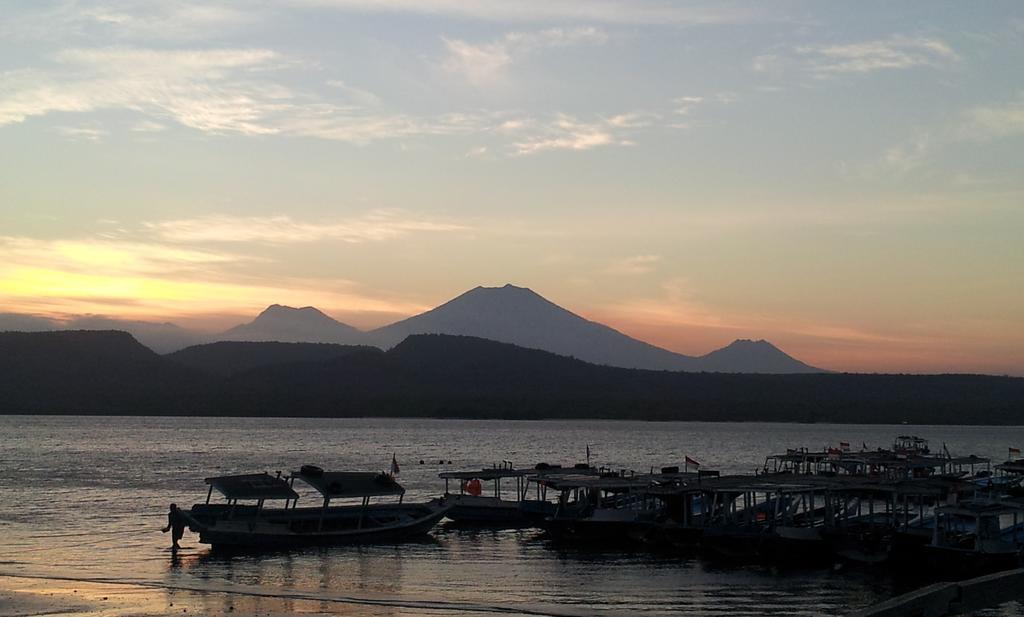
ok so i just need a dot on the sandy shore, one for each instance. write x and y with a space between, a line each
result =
21 596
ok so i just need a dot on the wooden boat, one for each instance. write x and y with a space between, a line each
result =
611 508
250 524
766 519
482 499
980 535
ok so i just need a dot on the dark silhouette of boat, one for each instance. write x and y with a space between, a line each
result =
483 500
251 524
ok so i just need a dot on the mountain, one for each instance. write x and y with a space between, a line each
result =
522 317
160 337
17 322
83 371
747 356
229 358
286 324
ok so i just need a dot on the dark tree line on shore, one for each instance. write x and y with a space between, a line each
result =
97 372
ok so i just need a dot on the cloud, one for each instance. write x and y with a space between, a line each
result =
986 122
566 132
481 63
897 52
214 91
192 87
155 279
637 264
981 123
81 133
375 226
686 105
110 256
634 12
128 20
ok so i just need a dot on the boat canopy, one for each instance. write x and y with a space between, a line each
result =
485 474
980 507
252 486
341 484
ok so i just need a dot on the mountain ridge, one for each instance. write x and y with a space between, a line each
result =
507 314
433 375
521 316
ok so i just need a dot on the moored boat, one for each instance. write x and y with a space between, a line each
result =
250 524
483 500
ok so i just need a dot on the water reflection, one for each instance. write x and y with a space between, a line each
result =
91 495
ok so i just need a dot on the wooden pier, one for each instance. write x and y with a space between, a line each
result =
956 598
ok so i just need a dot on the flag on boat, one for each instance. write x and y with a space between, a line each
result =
690 461
394 465
1014 451
844 445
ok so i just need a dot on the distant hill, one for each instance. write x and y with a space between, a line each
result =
522 317
746 356
18 322
108 372
286 324
230 357
457 376
160 337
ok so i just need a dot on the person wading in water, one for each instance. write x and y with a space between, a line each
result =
176 525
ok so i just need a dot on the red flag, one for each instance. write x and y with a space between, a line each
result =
844 445
1014 450
690 461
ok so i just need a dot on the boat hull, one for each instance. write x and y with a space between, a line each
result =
491 512
301 527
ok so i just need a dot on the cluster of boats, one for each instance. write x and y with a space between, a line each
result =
889 505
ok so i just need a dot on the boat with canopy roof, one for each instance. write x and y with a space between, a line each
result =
244 519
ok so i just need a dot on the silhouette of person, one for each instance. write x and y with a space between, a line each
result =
176 525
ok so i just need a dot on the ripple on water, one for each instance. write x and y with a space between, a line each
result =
88 496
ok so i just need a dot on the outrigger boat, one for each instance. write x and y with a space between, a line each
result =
251 524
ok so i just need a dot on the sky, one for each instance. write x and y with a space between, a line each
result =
844 179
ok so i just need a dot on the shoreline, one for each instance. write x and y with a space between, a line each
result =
106 414
34 594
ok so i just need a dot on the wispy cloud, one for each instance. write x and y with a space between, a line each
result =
214 91
135 278
110 256
981 123
634 12
482 62
374 226
635 265
897 52
199 89
81 133
986 122
566 132
685 106
131 21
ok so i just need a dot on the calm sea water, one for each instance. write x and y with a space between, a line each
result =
87 496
